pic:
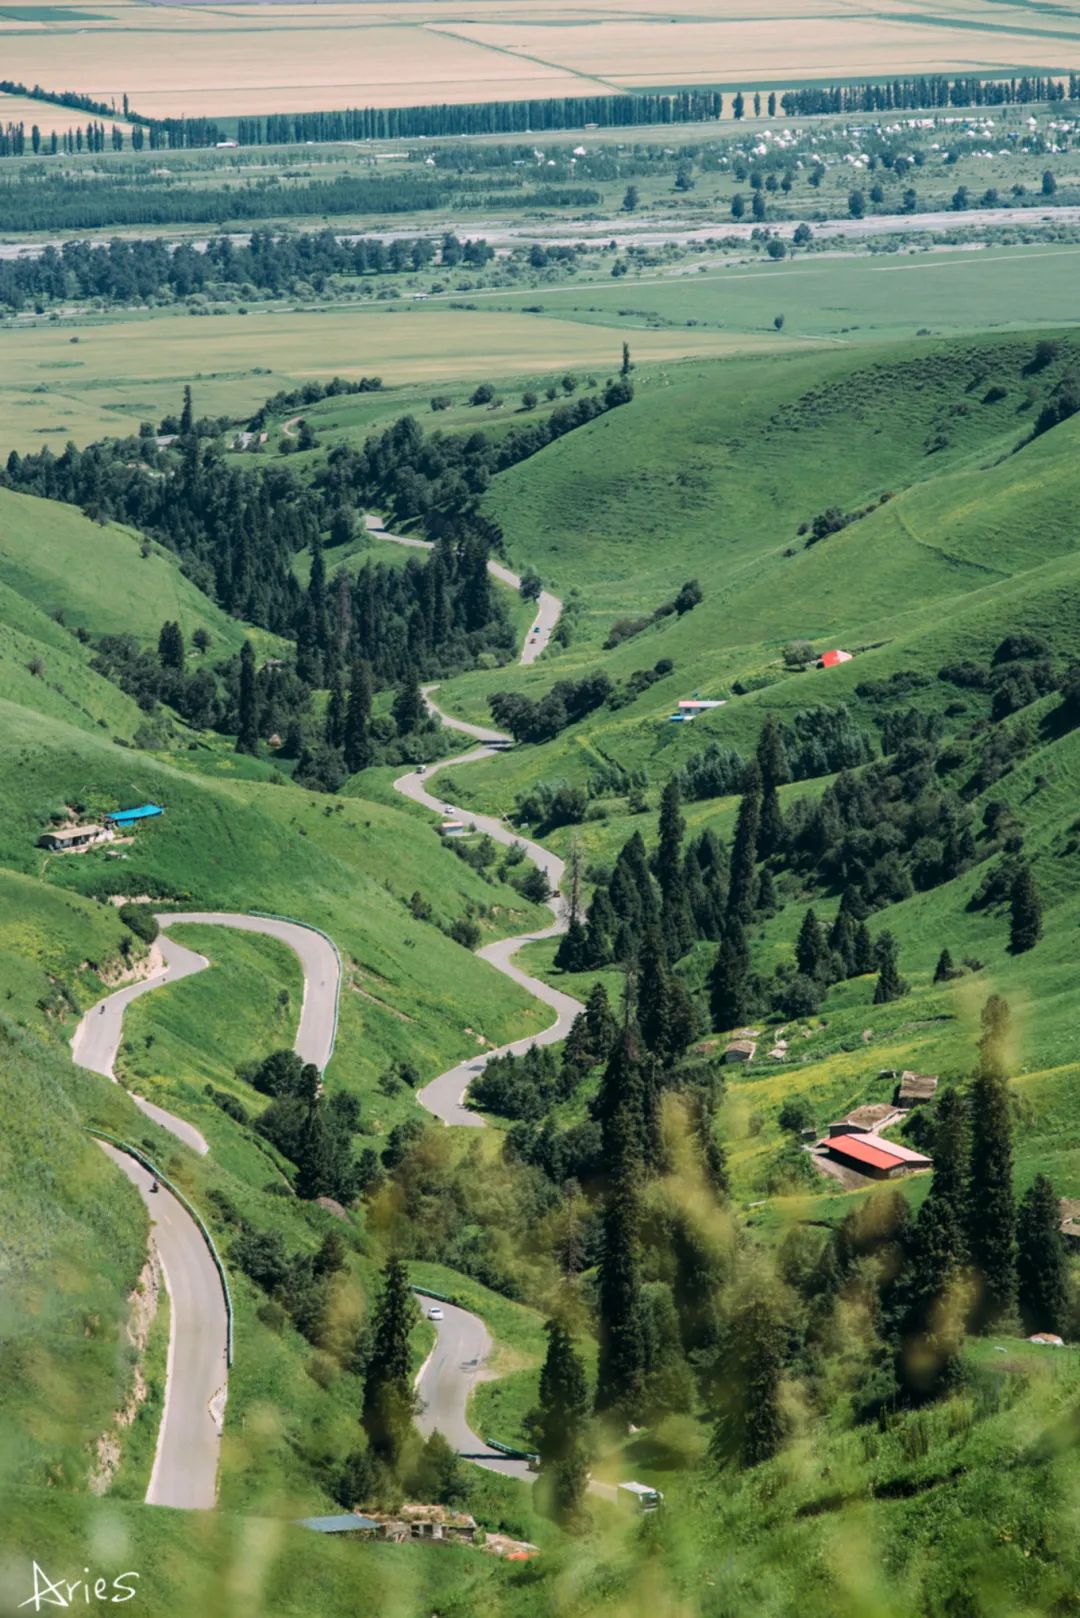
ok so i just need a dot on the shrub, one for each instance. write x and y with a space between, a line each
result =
141 920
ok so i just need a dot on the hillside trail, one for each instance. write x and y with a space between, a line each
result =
548 607
444 1097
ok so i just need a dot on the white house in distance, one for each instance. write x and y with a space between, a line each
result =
689 707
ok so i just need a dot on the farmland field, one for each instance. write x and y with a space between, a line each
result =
127 371
285 58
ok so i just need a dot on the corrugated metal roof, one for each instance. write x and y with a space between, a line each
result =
873 1150
859 1149
145 811
346 1522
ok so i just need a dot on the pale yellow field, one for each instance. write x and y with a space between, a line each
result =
22 110
259 57
127 371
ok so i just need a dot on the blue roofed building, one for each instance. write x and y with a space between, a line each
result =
132 817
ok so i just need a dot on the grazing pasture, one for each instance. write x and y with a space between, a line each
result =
127 371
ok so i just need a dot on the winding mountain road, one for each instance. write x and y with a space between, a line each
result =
196 1382
445 1095
185 1466
548 607
447 1377
96 1040
186 1462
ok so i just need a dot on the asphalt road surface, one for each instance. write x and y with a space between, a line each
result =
444 1096
548 611
318 960
453 1368
189 1439
445 1381
97 1038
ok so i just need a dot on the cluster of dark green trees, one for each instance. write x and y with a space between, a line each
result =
134 271
110 201
932 90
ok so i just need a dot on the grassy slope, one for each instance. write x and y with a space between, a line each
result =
72 1236
95 575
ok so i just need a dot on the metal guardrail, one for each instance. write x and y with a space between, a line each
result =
152 1168
510 1452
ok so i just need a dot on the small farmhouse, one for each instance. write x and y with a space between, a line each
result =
872 1155
829 660
866 1120
75 839
740 1050
915 1088
452 828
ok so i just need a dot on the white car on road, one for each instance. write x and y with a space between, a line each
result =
435 1313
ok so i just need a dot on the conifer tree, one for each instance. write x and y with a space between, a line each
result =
765 900
317 596
744 849
1043 1263
336 711
561 1422
187 414
773 763
601 1022
890 985
810 947
841 941
171 647
408 711
665 1014
862 951
932 1331
572 954
952 1160
620 1383
750 1425
992 1206
247 736
945 970
388 1390
675 923
600 930
357 734
1025 912
729 998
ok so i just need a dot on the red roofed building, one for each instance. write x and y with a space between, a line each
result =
829 660
873 1155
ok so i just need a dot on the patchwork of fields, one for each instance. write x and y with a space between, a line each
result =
286 58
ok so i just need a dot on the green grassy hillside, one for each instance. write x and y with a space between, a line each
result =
73 1240
99 576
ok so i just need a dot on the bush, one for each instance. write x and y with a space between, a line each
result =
141 920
